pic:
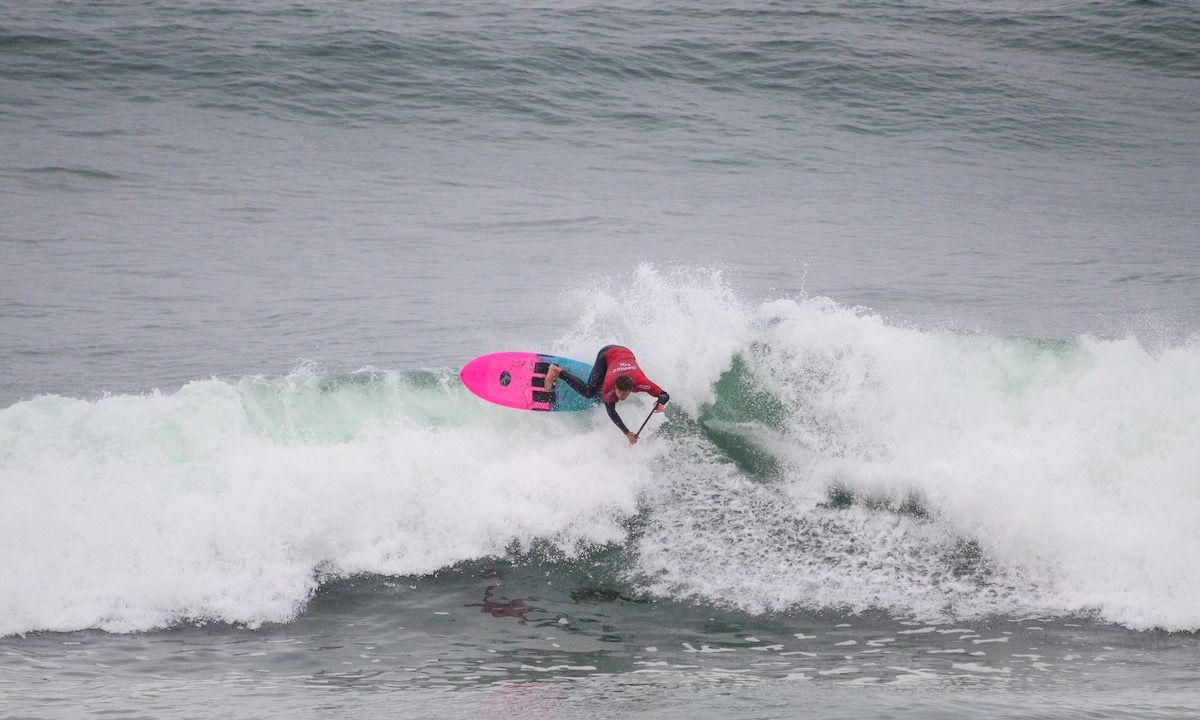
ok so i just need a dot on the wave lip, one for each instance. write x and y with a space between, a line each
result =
939 474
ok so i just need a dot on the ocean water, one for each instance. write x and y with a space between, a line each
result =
922 279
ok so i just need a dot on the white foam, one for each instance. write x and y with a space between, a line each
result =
227 500
1054 477
1051 478
685 328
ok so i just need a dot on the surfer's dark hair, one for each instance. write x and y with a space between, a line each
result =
624 383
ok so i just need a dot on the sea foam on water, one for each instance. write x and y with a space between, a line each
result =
813 455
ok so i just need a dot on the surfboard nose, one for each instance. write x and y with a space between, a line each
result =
518 380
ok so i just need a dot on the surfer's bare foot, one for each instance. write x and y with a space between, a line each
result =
551 376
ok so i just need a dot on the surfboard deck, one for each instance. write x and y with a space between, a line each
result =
517 380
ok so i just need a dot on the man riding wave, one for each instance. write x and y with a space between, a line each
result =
615 376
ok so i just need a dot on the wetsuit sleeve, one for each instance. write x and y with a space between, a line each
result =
646 385
655 391
612 414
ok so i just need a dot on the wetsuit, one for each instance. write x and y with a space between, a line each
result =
612 362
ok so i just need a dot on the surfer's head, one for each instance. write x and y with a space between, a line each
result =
624 386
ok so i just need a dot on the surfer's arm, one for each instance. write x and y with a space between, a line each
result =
648 386
661 395
611 407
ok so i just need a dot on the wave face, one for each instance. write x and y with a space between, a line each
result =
815 456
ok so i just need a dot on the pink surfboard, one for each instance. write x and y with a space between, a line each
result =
517 380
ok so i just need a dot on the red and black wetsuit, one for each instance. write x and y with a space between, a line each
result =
612 362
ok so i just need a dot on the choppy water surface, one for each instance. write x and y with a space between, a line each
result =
922 280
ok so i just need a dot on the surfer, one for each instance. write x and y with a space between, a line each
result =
615 375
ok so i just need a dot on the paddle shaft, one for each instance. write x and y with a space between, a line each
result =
638 434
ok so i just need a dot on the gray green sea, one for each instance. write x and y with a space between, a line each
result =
922 280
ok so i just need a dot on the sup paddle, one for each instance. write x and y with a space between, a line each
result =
638 434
